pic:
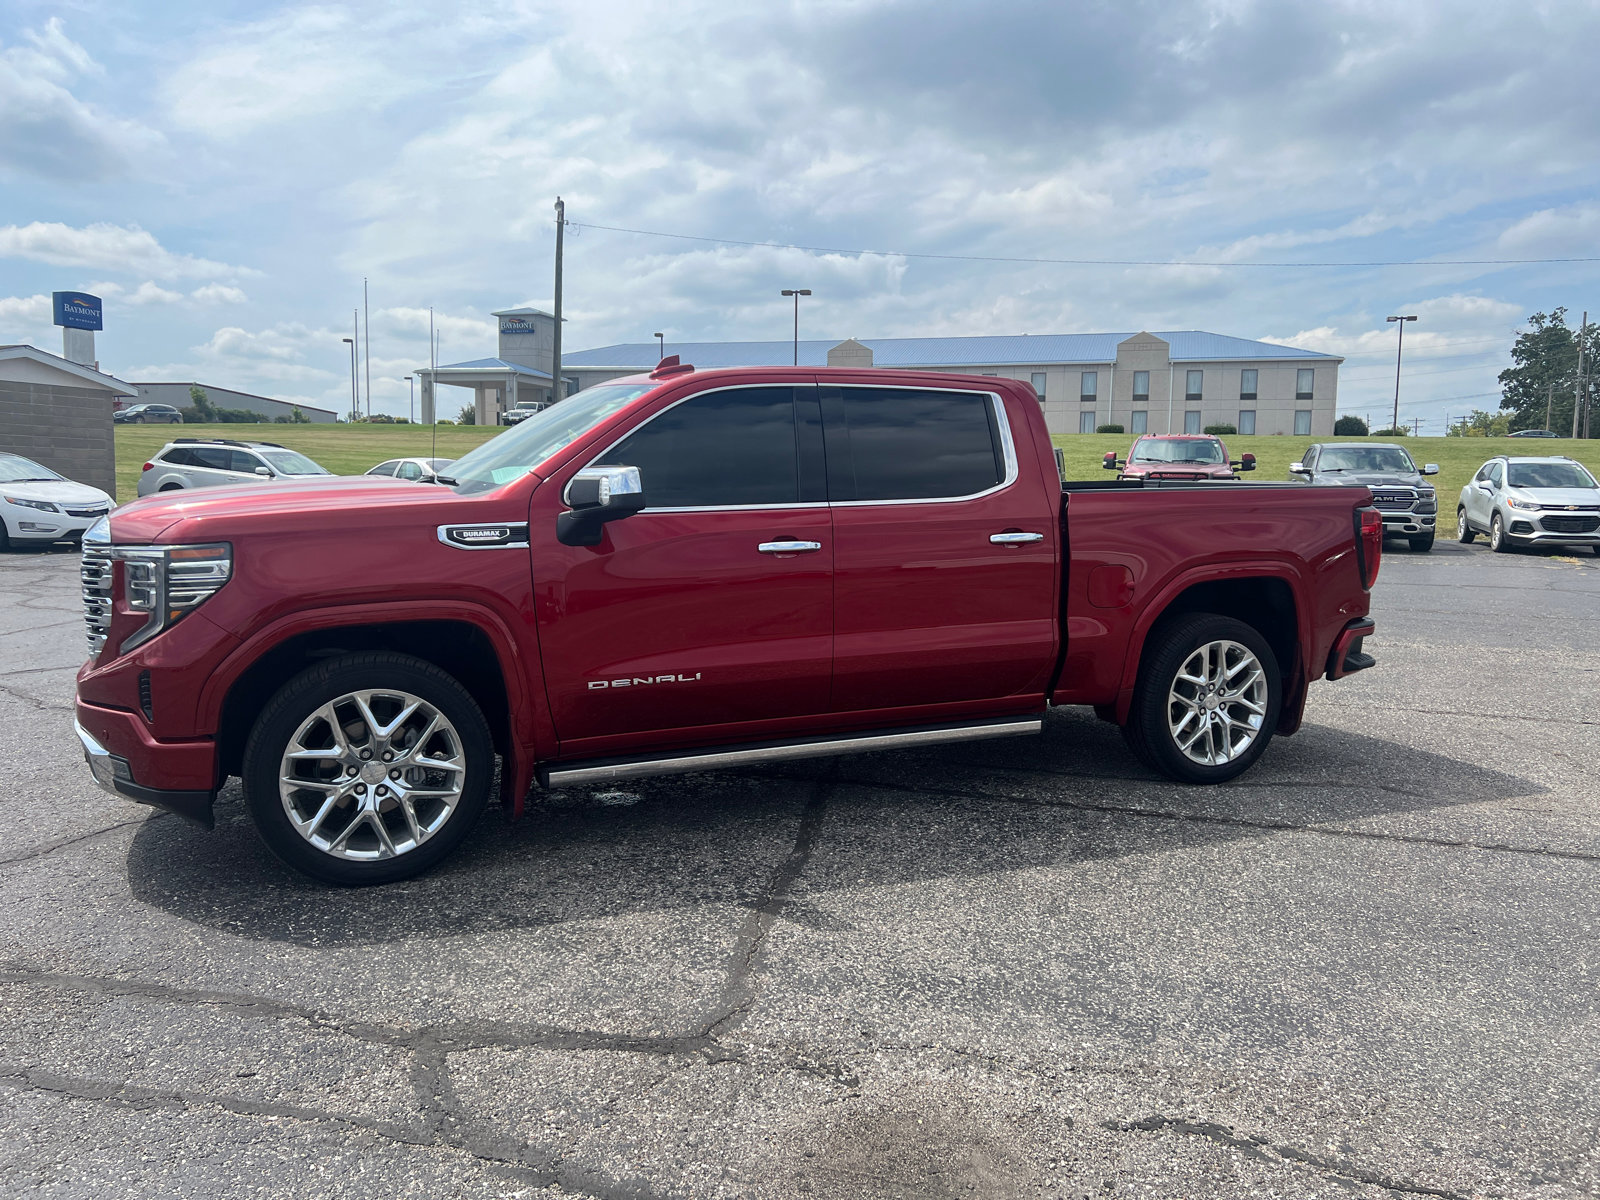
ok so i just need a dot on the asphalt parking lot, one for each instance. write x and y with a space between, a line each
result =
1025 968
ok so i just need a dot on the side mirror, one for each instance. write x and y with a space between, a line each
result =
1430 468
1298 468
1061 464
1110 460
1247 462
597 495
267 471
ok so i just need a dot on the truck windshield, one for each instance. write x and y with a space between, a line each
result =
1548 475
1387 459
1177 450
524 446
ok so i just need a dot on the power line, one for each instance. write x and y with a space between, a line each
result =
1083 262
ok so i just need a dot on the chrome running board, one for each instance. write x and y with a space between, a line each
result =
604 770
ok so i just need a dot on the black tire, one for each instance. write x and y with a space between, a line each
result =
1499 539
1422 543
1464 530
1150 729
294 708
171 487
1594 547
5 539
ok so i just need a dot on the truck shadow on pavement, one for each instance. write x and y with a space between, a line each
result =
1074 794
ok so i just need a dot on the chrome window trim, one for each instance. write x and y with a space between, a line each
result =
1008 452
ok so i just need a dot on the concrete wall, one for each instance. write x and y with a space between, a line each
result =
177 395
67 429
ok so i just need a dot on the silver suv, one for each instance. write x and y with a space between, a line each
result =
208 462
1526 501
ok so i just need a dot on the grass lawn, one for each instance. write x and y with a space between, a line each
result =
352 449
1458 458
343 449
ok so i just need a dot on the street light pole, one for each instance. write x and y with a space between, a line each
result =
661 341
412 411
354 403
1400 346
557 392
796 293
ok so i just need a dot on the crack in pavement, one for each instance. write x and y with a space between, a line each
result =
34 702
42 851
1232 822
739 989
1265 1151
1452 712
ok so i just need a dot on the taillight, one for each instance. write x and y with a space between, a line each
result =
147 466
1369 544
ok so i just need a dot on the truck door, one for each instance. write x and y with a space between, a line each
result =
946 553
713 607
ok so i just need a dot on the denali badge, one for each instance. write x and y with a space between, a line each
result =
596 685
485 537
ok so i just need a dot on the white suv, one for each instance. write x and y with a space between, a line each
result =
208 462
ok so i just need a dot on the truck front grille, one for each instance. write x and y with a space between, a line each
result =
1392 501
95 572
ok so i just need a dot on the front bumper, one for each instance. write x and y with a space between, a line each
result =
31 525
119 774
1407 524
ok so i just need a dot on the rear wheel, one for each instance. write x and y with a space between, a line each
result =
1207 699
1464 531
1498 541
171 487
1422 543
368 768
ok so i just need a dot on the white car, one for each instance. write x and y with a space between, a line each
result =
38 506
419 470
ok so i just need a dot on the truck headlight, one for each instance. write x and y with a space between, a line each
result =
41 505
166 582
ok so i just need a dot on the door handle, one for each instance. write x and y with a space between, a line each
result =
1015 539
789 546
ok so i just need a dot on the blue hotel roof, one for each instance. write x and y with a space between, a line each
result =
1187 345
496 364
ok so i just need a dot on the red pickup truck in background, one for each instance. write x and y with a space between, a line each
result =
1178 456
688 570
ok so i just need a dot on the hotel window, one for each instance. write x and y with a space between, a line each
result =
1247 384
1088 386
1085 421
1191 388
1247 422
1191 421
1303 379
1302 422
1038 384
1141 421
1141 387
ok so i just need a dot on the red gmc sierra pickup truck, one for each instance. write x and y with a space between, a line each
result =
689 570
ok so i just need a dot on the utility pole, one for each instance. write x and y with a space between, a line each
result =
1549 399
367 321
433 382
555 350
355 404
1399 347
1578 386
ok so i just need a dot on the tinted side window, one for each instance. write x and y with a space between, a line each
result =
215 457
180 457
408 470
243 460
383 469
913 445
719 449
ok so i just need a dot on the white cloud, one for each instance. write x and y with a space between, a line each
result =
1573 231
218 293
104 247
26 319
152 293
47 131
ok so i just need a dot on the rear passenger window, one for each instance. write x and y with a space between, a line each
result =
178 456
906 444
215 457
720 449
383 469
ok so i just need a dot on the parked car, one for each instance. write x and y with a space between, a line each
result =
1544 433
148 414
210 462
418 470
1521 501
1407 500
691 570
1178 456
38 505
521 411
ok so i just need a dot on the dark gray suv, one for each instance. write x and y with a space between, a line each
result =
1407 500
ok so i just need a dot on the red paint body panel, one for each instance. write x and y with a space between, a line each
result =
907 614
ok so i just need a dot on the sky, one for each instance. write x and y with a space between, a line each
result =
225 176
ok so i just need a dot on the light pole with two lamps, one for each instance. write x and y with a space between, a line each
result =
1400 346
796 293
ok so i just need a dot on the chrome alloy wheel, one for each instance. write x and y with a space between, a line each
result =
371 775
1217 703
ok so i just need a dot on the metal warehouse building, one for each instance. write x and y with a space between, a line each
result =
1178 381
177 395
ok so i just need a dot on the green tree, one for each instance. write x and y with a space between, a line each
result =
469 416
1538 390
1350 427
204 411
1478 423
296 417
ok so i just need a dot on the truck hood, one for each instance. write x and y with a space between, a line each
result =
1372 479
215 513
1178 470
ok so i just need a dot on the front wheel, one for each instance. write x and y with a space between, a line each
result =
368 768
1422 543
1498 541
1207 699
1464 531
